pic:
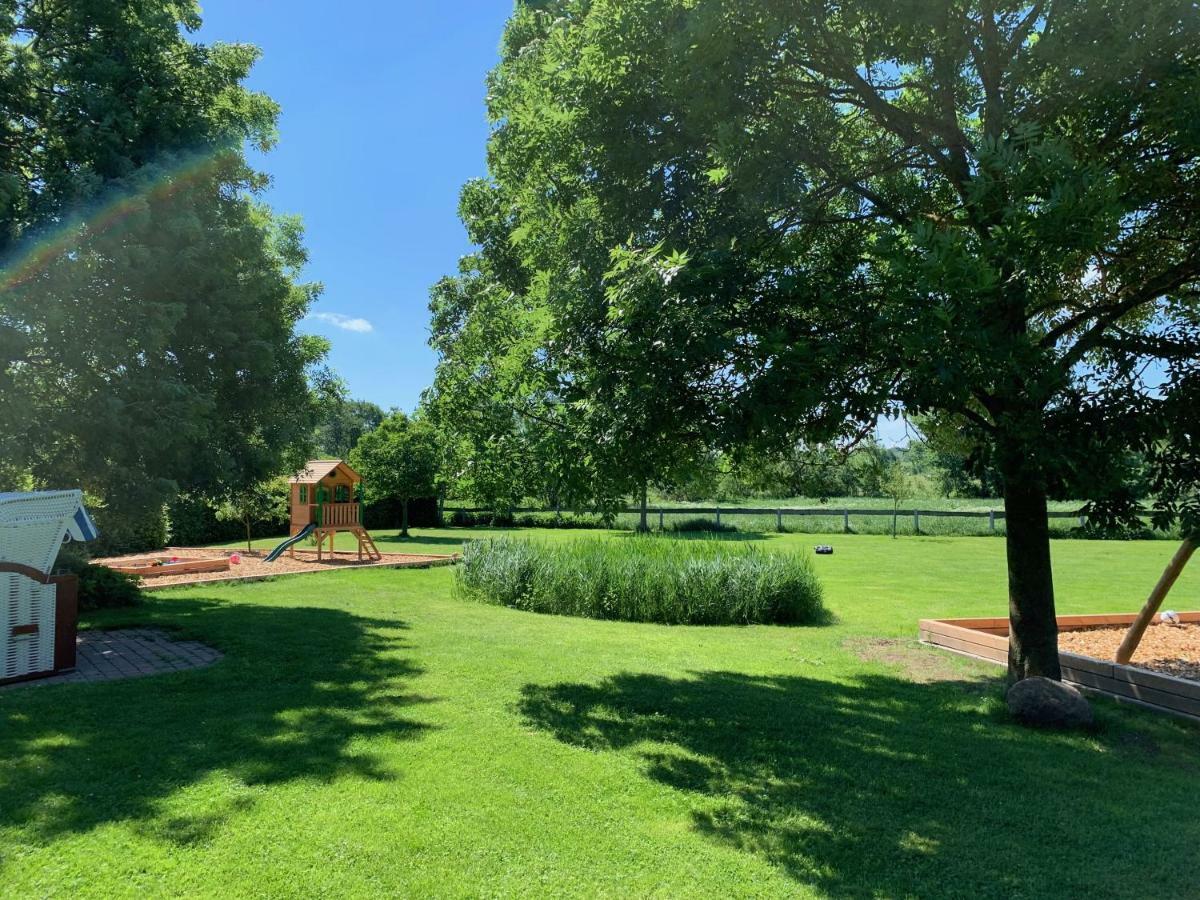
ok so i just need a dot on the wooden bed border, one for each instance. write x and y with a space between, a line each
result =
418 561
987 639
146 567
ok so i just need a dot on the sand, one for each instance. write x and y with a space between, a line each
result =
251 565
1169 649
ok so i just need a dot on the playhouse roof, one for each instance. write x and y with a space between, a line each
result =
319 469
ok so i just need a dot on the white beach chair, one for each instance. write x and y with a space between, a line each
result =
32 529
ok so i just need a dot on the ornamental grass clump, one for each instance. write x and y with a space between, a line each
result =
645 579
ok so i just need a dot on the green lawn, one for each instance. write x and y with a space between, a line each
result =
369 734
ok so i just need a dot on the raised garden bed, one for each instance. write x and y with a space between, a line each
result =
163 566
988 639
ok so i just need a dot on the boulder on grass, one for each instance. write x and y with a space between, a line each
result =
1046 703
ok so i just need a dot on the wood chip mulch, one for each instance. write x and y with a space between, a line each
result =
1169 649
251 565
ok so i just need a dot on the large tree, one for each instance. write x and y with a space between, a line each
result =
791 217
342 422
148 299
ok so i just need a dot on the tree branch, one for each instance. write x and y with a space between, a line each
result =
1106 316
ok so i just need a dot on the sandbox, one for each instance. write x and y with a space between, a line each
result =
1153 679
168 566
251 565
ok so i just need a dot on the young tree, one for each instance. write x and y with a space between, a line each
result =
262 502
983 210
398 460
148 300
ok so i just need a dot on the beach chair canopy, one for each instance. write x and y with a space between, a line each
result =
34 525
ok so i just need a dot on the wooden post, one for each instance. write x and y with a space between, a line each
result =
1166 581
718 518
916 521
991 520
846 521
66 620
779 520
661 526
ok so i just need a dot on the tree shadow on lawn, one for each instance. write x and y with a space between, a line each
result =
297 690
881 787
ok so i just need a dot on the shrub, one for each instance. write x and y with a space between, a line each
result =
128 529
644 579
461 518
555 520
102 588
99 586
699 523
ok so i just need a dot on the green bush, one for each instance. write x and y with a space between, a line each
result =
102 588
555 520
699 523
462 518
99 586
645 579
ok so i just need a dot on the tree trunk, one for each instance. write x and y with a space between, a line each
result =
1033 628
249 543
404 518
643 523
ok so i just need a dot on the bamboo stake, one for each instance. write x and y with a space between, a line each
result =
1166 581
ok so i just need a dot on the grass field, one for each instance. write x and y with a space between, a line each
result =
368 734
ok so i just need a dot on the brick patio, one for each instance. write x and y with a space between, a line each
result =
130 653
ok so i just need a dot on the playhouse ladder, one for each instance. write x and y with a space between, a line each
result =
365 542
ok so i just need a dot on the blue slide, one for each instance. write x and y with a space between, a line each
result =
290 542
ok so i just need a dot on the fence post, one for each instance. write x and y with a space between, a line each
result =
1082 521
660 521
916 521
779 520
718 517
846 521
991 520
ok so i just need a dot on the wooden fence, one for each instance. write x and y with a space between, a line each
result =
780 513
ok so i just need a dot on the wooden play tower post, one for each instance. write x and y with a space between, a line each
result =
1133 637
326 494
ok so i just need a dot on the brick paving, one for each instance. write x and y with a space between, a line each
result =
130 653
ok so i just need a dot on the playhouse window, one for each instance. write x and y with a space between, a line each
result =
341 493
304 493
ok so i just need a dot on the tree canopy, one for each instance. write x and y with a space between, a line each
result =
398 460
752 223
341 422
148 298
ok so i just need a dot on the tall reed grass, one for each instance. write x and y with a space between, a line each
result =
645 579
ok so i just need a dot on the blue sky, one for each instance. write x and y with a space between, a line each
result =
383 120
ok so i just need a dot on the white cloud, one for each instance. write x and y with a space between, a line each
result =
346 323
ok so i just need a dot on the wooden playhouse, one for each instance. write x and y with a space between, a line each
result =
326 498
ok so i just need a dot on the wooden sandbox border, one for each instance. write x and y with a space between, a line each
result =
416 561
145 567
987 639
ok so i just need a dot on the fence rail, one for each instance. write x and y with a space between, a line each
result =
992 516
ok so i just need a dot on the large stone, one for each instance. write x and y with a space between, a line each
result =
1046 703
